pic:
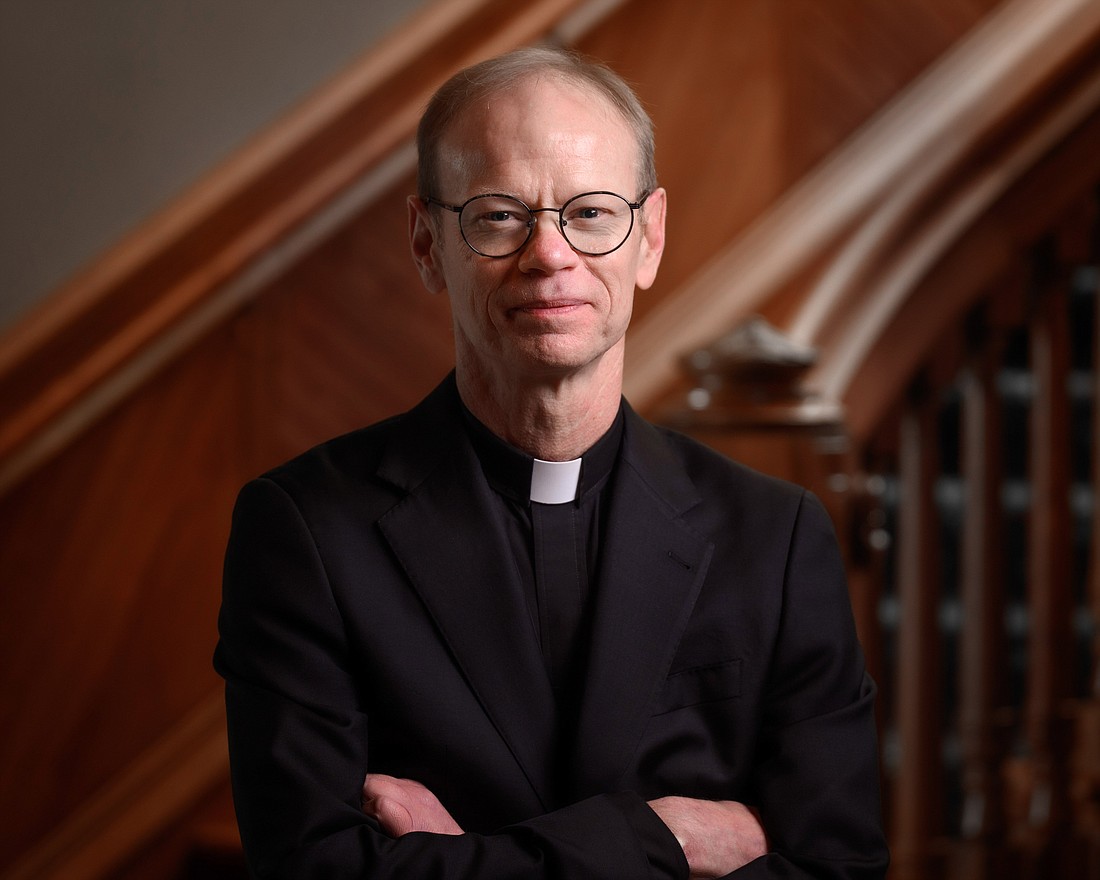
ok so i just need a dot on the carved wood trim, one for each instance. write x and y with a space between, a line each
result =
150 297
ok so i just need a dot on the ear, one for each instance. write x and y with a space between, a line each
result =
425 248
653 239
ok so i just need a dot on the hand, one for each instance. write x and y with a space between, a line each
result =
717 837
404 805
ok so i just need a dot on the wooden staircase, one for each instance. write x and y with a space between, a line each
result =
265 311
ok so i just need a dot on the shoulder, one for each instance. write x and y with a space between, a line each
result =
352 456
656 449
751 514
382 460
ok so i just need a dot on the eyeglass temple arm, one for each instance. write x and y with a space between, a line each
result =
432 200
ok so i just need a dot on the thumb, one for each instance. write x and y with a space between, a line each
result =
394 818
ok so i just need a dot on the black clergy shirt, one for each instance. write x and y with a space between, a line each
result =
539 552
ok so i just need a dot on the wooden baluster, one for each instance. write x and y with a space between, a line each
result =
1050 600
982 656
917 799
1087 775
867 578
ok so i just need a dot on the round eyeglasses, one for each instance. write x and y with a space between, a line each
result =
593 223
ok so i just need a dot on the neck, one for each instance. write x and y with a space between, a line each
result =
555 419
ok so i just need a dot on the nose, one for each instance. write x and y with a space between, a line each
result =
546 250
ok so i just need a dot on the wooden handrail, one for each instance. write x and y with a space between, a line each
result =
857 322
150 297
847 215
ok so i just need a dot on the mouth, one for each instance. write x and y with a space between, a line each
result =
543 308
547 308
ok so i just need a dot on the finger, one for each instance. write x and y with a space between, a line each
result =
375 784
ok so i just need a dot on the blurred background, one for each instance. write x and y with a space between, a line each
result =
880 281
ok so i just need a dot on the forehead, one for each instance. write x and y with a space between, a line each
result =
541 132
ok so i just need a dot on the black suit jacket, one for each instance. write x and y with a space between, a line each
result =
372 619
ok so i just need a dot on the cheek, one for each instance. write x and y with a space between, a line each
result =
620 292
471 299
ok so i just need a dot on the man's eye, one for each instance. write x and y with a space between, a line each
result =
498 216
590 216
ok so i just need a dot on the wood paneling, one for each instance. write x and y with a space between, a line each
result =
845 59
112 555
349 335
712 86
110 567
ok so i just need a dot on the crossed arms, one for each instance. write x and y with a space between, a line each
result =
717 837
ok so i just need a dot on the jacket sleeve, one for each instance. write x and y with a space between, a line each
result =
817 772
299 742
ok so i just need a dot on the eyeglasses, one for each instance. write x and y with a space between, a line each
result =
593 223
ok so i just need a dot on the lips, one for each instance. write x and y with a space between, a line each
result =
543 306
546 311
547 305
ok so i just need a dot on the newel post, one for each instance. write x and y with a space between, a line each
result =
745 396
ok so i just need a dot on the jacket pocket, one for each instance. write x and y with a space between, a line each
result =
701 684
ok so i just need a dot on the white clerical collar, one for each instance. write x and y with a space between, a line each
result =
554 482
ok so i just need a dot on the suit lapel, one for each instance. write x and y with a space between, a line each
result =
652 567
449 539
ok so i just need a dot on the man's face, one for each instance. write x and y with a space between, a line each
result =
546 311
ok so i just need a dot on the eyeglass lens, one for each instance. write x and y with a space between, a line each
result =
592 223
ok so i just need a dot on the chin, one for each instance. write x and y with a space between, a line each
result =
560 362
558 353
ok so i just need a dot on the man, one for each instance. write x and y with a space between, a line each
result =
518 631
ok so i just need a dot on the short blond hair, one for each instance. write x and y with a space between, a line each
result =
474 84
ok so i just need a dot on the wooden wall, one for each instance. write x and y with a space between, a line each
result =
110 552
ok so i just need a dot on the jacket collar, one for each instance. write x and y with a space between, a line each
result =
652 567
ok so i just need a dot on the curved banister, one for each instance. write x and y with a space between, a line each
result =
843 220
847 341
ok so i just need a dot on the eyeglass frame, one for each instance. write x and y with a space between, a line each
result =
562 222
